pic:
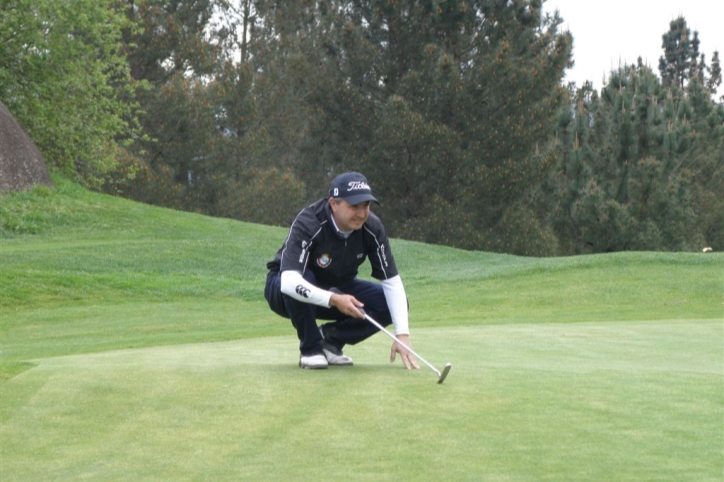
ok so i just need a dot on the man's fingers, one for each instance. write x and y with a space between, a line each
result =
347 304
407 358
405 361
361 313
355 307
393 355
413 362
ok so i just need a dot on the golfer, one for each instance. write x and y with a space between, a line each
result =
314 277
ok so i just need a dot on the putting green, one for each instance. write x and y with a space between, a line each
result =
581 401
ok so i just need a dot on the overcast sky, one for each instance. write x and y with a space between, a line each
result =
606 32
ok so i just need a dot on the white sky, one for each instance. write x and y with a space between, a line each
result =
612 32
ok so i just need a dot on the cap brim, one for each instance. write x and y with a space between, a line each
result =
360 198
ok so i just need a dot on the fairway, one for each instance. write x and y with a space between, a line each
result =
584 401
136 345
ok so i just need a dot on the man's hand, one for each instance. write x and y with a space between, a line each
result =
347 304
408 359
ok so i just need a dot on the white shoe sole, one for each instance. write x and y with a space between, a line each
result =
317 362
313 367
338 360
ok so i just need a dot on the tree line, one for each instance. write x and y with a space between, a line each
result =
455 110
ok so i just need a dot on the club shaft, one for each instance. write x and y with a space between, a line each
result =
404 345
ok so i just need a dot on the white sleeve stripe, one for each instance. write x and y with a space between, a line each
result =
306 250
286 241
379 255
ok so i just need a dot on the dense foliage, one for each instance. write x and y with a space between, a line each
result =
454 109
637 167
63 76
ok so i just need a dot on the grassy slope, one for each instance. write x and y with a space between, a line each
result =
165 272
588 368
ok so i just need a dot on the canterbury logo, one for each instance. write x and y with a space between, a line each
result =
303 291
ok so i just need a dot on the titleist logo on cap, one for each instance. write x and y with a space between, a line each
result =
357 185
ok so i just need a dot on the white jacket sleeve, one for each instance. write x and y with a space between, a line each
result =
294 285
397 303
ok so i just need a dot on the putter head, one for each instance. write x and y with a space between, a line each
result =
444 372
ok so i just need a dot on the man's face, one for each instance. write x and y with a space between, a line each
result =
349 217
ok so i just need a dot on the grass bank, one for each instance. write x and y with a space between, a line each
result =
136 345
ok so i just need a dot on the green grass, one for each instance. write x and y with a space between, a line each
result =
136 345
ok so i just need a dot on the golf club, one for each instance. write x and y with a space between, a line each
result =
440 375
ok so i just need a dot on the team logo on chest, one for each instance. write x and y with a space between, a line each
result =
324 260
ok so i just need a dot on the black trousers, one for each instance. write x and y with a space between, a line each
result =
341 330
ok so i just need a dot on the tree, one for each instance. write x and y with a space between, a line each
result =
203 142
172 51
714 80
441 104
703 166
638 167
62 75
674 65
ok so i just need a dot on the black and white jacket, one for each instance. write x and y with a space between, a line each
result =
314 243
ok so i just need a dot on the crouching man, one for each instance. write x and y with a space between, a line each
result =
314 277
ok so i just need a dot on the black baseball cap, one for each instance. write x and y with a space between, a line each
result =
352 187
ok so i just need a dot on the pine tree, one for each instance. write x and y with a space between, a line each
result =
675 64
714 79
638 167
697 63
441 104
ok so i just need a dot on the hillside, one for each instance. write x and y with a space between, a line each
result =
88 272
135 345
